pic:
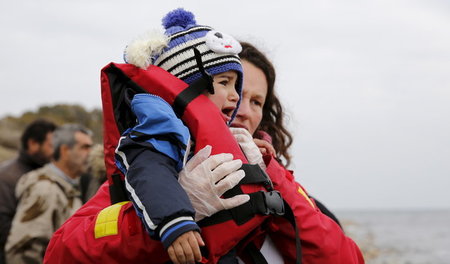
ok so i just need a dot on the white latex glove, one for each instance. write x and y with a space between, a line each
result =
248 146
205 178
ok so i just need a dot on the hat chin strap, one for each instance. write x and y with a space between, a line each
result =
194 89
205 75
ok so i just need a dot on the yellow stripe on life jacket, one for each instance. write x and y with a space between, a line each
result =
106 223
302 192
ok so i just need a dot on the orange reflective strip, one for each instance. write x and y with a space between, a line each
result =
302 192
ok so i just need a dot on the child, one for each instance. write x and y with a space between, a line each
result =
152 153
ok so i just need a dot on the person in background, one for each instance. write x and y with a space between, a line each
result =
261 112
49 195
97 171
35 151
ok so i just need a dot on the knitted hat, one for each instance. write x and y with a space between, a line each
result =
174 50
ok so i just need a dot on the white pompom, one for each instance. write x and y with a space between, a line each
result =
140 51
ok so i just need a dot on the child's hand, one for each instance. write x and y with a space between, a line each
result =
186 248
265 147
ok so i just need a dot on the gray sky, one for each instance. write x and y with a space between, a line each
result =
366 83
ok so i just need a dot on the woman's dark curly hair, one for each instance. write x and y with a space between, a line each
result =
272 120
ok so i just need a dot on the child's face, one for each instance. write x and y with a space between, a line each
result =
225 96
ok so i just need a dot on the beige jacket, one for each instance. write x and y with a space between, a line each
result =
46 201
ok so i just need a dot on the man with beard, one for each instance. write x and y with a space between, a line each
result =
49 195
36 150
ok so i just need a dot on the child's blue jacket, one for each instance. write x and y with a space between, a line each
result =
151 155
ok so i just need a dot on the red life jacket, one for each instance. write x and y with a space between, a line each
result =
98 235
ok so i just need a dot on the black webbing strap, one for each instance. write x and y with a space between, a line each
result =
117 189
187 95
260 202
195 89
254 174
217 218
255 254
258 258
289 215
257 204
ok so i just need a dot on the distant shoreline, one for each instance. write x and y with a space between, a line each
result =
390 210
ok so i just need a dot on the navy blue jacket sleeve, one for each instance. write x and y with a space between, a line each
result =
150 155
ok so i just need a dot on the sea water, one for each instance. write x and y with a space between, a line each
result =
400 236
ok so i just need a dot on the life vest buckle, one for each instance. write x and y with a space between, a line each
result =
274 203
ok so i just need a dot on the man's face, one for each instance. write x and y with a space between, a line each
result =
41 153
77 159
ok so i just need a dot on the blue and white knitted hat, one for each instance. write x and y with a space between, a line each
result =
174 50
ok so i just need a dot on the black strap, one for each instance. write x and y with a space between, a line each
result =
255 254
261 202
195 89
267 202
254 174
257 204
205 74
117 189
258 258
289 215
187 95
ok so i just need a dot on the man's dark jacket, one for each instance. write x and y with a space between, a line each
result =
10 172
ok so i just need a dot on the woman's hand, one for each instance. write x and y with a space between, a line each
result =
251 150
205 178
